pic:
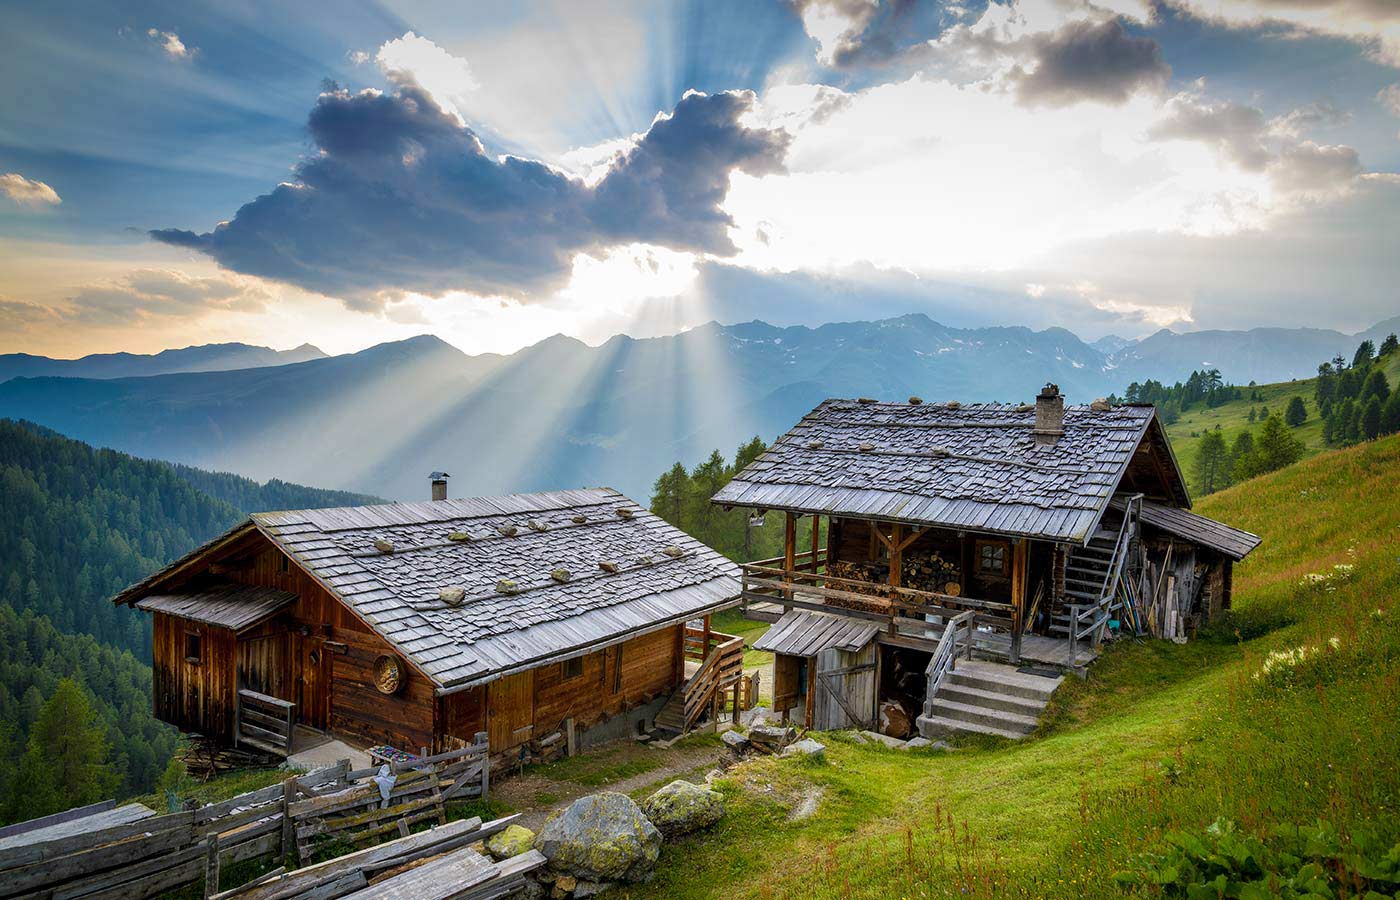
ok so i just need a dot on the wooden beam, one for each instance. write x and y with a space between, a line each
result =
789 547
896 544
1020 553
816 539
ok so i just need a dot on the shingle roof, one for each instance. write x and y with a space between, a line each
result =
398 593
223 603
1233 542
974 467
803 633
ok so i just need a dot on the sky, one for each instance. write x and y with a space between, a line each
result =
354 172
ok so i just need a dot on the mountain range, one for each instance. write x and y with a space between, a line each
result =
205 358
562 413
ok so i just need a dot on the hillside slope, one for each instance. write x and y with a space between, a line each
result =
1160 736
205 358
1233 417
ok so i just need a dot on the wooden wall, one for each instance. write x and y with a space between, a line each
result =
319 655
193 696
603 689
856 688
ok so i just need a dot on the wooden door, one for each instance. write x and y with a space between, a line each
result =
311 680
845 689
785 682
510 711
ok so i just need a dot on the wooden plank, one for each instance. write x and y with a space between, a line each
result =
441 879
58 818
12 857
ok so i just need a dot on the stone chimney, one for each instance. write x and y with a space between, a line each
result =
1049 415
439 480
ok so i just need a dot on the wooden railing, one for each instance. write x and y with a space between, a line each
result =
1090 621
806 560
764 584
264 722
721 666
945 658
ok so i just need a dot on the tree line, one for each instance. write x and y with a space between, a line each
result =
1204 388
1356 401
681 496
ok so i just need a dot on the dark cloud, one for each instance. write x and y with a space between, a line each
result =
402 197
1086 60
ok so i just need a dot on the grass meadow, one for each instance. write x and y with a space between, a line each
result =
1161 737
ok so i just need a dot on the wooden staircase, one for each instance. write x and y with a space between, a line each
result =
1087 572
986 698
721 667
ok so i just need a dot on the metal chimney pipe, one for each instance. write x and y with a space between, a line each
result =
1049 415
439 480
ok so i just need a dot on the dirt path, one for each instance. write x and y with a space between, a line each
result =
624 767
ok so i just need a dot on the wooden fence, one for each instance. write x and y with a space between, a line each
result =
130 853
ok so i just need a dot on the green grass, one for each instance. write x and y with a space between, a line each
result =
1233 417
221 787
1160 737
731 621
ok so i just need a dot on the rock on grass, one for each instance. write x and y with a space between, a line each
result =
601 837
681 807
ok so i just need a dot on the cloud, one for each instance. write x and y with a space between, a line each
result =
1085 60
161 293
1371 24
170 43
416 61
860 32
27 192
1277 147
402 197
1389 97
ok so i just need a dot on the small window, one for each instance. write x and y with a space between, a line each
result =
284 565
573 668
991 558
192 646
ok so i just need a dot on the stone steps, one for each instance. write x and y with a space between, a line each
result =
987 698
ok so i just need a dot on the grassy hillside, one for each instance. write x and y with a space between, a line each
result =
1160 737
1233 417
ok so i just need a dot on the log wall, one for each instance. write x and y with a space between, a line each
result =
193 696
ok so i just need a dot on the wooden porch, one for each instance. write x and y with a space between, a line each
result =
916 619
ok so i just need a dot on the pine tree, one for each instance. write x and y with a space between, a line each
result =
1365 352
1297 413
66 762
1376 386
668 494
1252 415
1390 415
1371 419
1212 461
1242 461
1389 345
1277 446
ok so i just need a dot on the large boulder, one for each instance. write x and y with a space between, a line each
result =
681 807
512 841
601 837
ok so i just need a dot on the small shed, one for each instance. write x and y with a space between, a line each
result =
825 667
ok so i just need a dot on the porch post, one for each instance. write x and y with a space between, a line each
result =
789 550
1020 552
896 554
816 536
705 640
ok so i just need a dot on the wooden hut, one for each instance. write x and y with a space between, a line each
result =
1026 533
544 620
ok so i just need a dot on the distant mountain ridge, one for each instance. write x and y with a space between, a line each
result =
561 413
203 358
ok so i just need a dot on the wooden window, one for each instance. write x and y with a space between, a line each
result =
192 646
284 565
992 557
572 668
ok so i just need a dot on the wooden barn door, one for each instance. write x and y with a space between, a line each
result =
785 688
311 680
510 711
845 689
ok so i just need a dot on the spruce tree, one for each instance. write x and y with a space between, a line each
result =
66 762
1365 352
1371 419
1376 386
1390 415
1389 345
1297 413
1242 462
1212 462
1277 446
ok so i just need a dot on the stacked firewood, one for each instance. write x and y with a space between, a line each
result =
871 586
930 572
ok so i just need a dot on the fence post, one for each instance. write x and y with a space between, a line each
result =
288 792
211 865
1073 634
483 740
